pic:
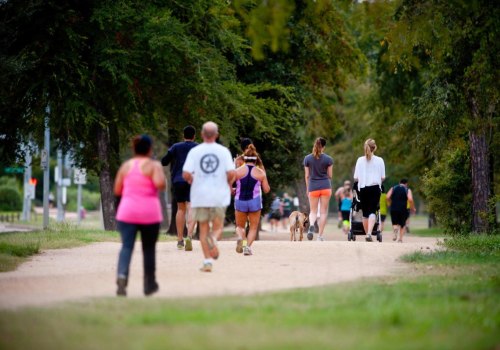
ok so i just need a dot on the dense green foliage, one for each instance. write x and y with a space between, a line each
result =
447 188
11 199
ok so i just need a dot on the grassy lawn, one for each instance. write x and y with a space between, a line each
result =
427 232
453 305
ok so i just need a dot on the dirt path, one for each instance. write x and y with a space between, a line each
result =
80 273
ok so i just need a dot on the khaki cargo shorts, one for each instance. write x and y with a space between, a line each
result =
208 214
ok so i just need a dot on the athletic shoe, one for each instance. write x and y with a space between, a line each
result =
150 284
369 238
122 287
400 241
310 233
247 250
239 246
180 245
320 239
207 267
212 247
189 244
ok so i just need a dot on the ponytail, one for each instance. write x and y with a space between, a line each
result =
318 146
370 148
250 155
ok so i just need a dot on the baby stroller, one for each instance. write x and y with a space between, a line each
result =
356 218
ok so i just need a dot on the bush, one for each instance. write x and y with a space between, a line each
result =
12 199
447 188
90 200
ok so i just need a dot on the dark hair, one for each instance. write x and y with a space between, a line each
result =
141 144
318 145
403 181
189 132
245 142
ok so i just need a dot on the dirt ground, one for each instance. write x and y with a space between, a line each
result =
56 276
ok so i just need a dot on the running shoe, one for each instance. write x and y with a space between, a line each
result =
320 239
310 232
207 267
369 238
213 251
180 245
247 250
189 244
239 246
400 241
122 287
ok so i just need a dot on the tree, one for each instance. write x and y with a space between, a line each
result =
109 69
459 40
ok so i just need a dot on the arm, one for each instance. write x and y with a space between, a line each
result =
306 175
118 188
412 203
388 197
265 185
168 157
330 171
231 174
158 176
186 175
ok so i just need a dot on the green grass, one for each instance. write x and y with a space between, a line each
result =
427 232
461 250
454 306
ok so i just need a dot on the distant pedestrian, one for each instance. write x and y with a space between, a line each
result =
345 207
276 212
383 208
287 205
318 176
248 199
209 169
338 197
137 182
176 156
399 196
369 173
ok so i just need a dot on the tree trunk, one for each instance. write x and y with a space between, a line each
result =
300 190
106 177
480 172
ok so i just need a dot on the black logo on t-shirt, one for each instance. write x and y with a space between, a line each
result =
209 163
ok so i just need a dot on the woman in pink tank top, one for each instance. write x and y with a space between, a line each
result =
137 183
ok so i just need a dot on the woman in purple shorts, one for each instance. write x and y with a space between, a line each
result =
248 199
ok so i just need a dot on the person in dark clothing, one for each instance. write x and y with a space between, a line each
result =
398 197
176 156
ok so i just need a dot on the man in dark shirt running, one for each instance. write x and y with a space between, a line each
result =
398 197
176 156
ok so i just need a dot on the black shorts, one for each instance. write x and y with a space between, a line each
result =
275 214
370 200
345 215
181 192
399 217
286 214
382 217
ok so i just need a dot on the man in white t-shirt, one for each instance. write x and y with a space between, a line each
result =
209 168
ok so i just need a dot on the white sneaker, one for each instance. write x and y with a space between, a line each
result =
247 250
320 239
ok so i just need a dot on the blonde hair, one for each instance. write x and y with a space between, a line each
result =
370 148
318 146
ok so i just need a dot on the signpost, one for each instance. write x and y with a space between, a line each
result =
80 179
46 170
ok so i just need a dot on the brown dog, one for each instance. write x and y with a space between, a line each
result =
298 221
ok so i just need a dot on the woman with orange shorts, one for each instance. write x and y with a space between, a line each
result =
318 174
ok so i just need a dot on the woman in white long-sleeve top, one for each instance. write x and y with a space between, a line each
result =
369 173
